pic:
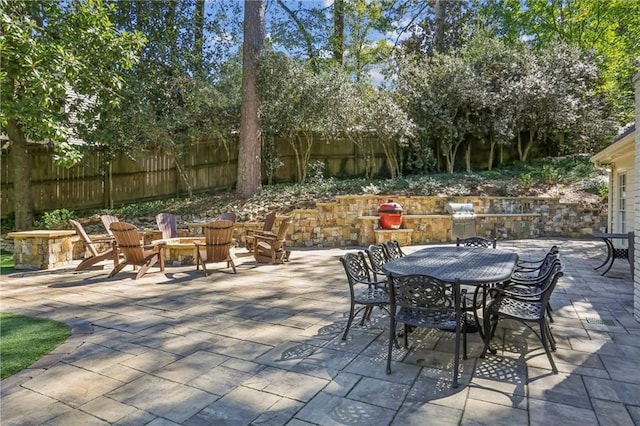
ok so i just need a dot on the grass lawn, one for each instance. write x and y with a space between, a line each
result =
6 262
24 340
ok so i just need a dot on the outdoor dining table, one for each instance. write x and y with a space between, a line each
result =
613 252
474 266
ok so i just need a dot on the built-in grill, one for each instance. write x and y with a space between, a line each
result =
463 220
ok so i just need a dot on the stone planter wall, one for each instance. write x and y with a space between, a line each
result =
353 220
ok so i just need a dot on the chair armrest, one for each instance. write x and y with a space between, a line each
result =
529 294
260 232
265 237
102 240
524 280
152 246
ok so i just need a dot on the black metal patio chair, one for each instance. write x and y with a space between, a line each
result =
527 309
377 258
424 301
392 249
362 289
476 242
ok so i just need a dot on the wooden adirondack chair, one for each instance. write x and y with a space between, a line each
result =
228 216
270 248
107 220
250 234
94 256
135 253
218 237
167 225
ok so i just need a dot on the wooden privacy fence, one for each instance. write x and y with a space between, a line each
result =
207 166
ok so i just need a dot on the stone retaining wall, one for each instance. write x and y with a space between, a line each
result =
353 220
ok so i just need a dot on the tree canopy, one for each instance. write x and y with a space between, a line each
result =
438 84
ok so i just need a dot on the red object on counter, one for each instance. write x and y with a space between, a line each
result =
390 215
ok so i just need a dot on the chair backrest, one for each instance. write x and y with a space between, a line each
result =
476 242
218 237
269 220
167 224
228 216
128 239
107 220
377 257
87 241
355 266
556 271
426 296
281 236
392 249
549 260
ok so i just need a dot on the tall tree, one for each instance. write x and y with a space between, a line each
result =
184 89
249 155
610 29
338 31
434 25
62 64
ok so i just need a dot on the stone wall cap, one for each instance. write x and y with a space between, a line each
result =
42 233
508 215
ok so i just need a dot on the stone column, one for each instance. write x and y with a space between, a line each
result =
636 260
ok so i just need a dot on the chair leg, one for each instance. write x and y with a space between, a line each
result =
118 268
552 339
549 312
456 361
150 262
487 334
351 316
406 336
543 338
464 336
392 338
366 316
369 313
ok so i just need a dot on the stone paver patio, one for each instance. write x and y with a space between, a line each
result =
264 347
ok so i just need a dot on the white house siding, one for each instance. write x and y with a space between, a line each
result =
636 260
624 166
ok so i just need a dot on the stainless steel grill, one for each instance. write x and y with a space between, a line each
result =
463 220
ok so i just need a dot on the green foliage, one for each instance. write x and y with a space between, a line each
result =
56 219
49 50
610 29
526 180
549 174
316 172
6 262
596 185
24 340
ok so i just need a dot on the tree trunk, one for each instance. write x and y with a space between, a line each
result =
21 165
198 41
249 155
527 149
492 150
520 146
308 38
467 157
438 11
338 30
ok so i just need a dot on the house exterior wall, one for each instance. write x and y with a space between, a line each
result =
624 166
636 260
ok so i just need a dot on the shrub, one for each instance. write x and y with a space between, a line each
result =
55 219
